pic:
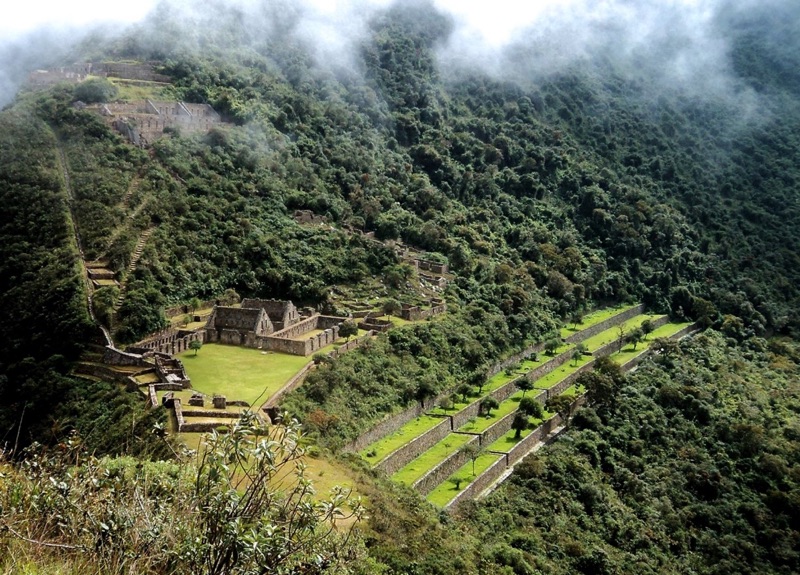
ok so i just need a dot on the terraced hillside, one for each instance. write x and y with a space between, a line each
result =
472 432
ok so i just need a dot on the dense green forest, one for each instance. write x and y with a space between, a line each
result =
547 197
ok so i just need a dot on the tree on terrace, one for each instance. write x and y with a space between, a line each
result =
488 404
524 385
520 424
531 407
348 329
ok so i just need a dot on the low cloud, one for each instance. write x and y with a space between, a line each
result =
676 45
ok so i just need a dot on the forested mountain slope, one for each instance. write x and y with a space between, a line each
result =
547 195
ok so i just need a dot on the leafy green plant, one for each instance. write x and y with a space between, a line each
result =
242 504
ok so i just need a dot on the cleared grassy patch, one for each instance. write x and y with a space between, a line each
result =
447 490
482 422
594 318
414 428
133 90
431 458
240 373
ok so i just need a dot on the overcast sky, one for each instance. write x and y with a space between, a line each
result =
679 41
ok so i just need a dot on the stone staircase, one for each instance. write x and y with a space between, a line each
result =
135 256
133 187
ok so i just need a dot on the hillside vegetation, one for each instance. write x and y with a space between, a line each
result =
547 197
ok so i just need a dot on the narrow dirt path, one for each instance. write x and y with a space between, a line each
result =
62 161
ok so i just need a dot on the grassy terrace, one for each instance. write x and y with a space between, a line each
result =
552 378
574 391
593 319
447 490
611 334
240 373
415 469
503 378
505 442
444 492
431 458
414 428
418 426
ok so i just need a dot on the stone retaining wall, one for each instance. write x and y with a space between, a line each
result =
152 398
114 356
201 427
106 373
285 339
406 453
392 424
515 358
290 385
415 313
389 425
168 386
351 345
483 481
521 449
218 413
508 389
445 469
176 407
462 417
170 341
548 366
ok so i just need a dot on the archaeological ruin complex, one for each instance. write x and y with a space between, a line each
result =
144 122
272 325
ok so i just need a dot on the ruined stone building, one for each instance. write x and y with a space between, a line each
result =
75 73
272 325
282 314
238 325
144 122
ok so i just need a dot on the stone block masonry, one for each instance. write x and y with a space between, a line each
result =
145 121
410 312
390 424
405 454
287 340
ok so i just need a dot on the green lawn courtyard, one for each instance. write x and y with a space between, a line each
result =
240 373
